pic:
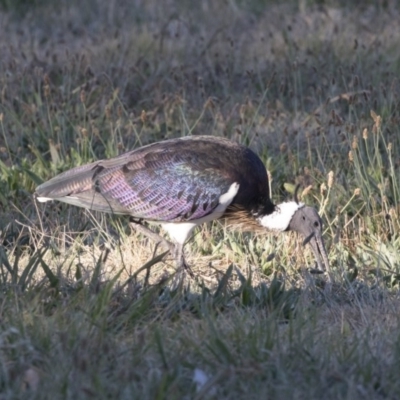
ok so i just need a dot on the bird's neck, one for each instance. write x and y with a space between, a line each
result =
279 220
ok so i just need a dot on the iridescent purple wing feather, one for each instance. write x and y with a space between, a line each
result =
164 190
174 180
167 193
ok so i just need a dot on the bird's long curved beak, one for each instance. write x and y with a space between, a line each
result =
318 248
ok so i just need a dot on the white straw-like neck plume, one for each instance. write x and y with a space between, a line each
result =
280 219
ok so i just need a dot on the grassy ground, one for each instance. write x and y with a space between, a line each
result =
89 310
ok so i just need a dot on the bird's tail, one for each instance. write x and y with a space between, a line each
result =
78 187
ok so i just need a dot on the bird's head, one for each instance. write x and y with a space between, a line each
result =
295 216
308 223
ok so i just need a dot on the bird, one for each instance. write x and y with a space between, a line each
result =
182 183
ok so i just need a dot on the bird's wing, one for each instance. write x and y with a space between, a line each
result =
153 185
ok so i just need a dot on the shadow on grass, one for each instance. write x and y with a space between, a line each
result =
115 303
158 339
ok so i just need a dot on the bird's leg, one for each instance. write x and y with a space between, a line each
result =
180 260
175 249
138 227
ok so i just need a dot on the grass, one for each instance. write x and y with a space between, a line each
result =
91 310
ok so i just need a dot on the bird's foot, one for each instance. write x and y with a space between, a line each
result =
180 280
181 265
185 267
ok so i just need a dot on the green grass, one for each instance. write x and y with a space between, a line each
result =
91 310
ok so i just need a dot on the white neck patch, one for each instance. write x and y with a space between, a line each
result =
280 219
